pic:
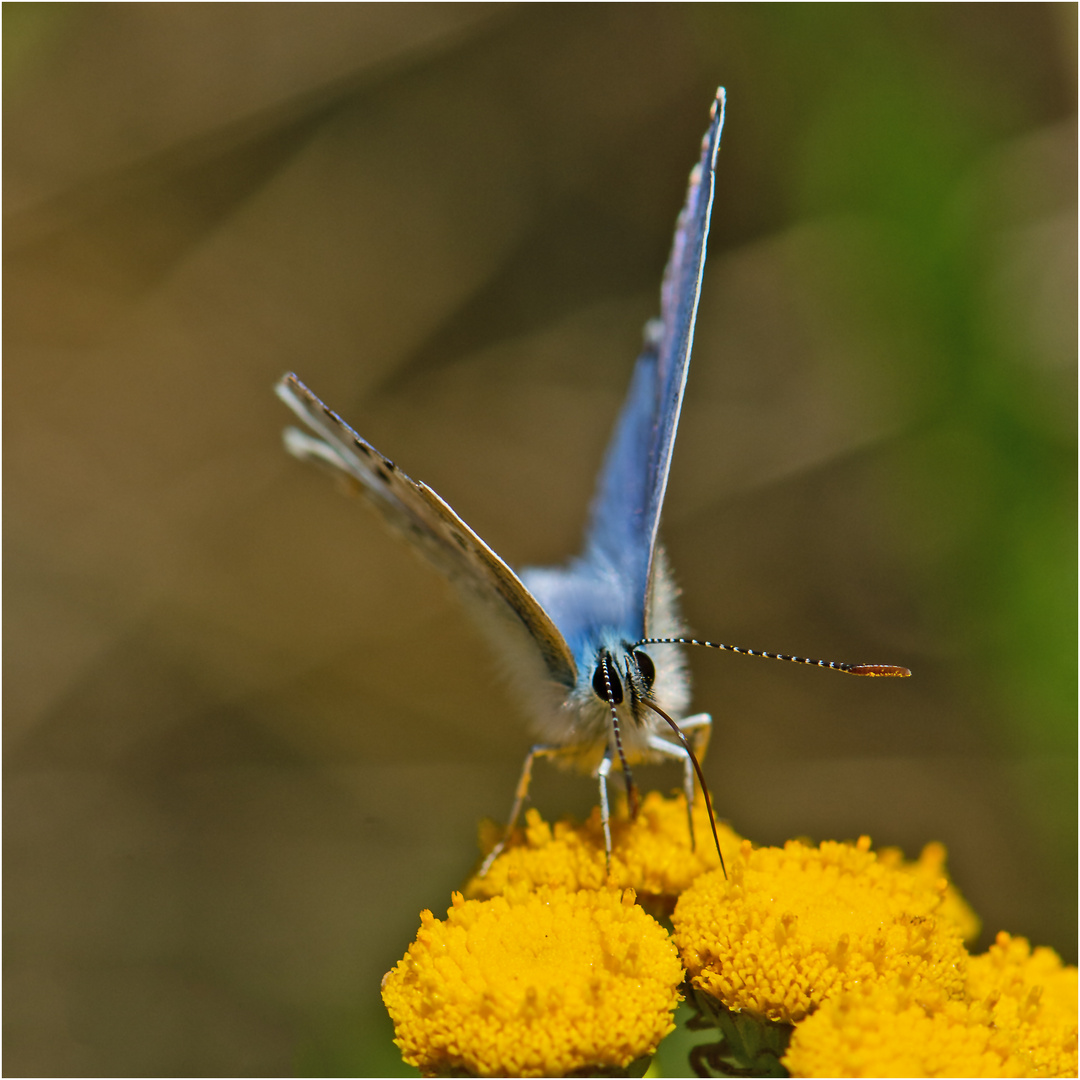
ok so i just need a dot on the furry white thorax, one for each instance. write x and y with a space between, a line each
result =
576 718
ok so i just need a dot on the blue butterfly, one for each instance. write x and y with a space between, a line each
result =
577 637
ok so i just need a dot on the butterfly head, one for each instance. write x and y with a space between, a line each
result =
621 673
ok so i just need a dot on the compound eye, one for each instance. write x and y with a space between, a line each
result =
601 684
646 667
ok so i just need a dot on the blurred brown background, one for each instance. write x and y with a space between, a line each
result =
248 736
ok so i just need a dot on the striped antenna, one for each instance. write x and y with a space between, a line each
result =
874 670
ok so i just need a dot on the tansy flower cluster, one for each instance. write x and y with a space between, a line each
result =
654 854
1015 1017
537 983
821 961
791 927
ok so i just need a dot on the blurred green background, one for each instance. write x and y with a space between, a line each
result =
248 736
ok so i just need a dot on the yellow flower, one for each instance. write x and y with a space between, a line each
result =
1017 1018
1034 1000
930 867
651 854
796 925
534 983
883 1030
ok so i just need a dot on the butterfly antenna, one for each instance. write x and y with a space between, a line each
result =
877 670
628 776
697 769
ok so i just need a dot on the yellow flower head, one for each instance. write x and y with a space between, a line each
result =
534 983
884 1030
1033 997
651 854
793 926
1017 1018
930 867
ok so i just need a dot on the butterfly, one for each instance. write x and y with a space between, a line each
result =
587 643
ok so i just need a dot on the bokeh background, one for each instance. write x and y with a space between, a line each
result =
248 735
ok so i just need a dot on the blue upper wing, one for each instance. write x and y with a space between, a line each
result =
625 513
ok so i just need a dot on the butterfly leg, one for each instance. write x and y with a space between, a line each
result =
602 774
697 729
520 795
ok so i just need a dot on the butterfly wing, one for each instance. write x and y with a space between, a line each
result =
550 616
625 513
431 525
679 298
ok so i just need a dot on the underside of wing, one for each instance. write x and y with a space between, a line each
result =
625 513
429 524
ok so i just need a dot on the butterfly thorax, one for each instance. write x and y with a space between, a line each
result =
613 674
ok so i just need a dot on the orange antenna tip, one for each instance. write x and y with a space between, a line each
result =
879 669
